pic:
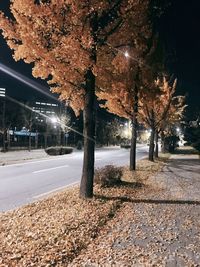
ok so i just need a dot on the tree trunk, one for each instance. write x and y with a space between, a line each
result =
151 145
86 187
8 139
45 140
133 145
36 139
156 142
4 127
134 127
59 143
163 145
29 141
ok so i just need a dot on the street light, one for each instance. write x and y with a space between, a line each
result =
126 54
54 119
3 94
127 130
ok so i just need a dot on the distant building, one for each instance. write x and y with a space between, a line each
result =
46 108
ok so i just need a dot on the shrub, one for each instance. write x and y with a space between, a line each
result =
125 146
79 145
108 176
58 150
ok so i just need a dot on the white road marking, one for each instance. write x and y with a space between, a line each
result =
49 169
30 161
54 190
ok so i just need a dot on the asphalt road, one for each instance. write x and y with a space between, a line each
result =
26 182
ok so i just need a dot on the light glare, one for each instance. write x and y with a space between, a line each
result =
126 54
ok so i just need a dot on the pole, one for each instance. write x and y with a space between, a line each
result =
3 124
3 94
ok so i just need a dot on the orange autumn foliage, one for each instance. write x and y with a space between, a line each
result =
159 107
118 74
56 37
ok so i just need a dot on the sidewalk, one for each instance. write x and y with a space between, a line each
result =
11 157
159 228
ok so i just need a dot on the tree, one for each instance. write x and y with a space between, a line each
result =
159 108
192 136
65 124
9 120
109 131
121 80
61 39
28 119
173 118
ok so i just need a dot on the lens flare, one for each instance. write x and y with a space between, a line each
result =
37 87
18 76
48 118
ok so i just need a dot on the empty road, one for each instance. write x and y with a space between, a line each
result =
26 182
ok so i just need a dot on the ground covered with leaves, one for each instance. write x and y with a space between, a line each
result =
159 227
54 231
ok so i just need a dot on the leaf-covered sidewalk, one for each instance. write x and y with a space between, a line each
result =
161 228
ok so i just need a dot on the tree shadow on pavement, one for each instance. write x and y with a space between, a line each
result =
150 201
131 184
190 165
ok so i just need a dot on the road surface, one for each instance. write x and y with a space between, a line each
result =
26 182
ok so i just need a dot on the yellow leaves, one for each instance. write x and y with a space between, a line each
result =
86 39
56 35
8 28
159 105
53 231
41 71
121 63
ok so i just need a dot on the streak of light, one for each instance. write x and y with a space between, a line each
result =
49 118
18 76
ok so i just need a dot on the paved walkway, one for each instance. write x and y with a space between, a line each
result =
160 228
11 157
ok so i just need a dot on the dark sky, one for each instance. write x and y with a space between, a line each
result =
15 88
180 30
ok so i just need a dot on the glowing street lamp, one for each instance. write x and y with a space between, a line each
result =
3 94
54 119
126 54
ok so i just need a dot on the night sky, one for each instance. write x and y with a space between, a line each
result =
15 88
180 30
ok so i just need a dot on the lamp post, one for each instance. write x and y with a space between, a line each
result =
3 95
56 125
134 123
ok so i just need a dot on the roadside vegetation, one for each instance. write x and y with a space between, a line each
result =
114 58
